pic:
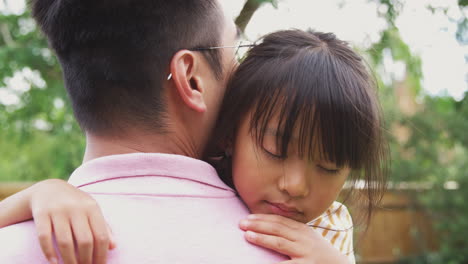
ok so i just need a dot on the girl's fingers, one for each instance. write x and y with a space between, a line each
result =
44 232
268 228
277 219
83 238
278 244
112 243
101 236
276 226
64 237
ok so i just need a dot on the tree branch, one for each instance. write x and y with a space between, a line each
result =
246 13
6 35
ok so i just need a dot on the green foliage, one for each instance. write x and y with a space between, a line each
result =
436 154
38 136
391 40
436 150
393 8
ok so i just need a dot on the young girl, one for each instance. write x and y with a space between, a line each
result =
300 117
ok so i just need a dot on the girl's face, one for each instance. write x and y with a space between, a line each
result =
294 187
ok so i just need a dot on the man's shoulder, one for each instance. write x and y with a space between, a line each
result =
180 230
19 244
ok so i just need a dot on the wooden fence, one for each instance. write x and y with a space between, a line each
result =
399 228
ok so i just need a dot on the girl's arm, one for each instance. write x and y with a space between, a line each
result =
15 208
291 238
70 214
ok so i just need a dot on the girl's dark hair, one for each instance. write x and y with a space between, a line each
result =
319 86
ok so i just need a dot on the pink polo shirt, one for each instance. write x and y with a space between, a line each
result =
162 209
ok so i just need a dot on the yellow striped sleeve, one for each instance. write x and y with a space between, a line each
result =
336 226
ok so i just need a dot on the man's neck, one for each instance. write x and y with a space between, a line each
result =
100 146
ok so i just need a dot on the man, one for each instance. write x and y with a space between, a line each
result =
146 92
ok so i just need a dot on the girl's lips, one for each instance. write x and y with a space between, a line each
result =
283 209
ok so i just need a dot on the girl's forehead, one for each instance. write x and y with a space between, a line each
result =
312 152
308 143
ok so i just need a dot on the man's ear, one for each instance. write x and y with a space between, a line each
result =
184 66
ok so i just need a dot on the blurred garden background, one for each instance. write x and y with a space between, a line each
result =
418 50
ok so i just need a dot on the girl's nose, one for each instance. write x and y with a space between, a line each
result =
294 181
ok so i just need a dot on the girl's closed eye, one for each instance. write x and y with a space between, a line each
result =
272 154
328 169
269 147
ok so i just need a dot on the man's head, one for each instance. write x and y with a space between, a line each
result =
116 55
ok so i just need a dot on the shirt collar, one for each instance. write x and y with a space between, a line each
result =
145 164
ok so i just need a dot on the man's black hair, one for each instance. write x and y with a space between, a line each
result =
115 54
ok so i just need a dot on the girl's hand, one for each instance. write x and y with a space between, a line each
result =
72 215
75 218
288 237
